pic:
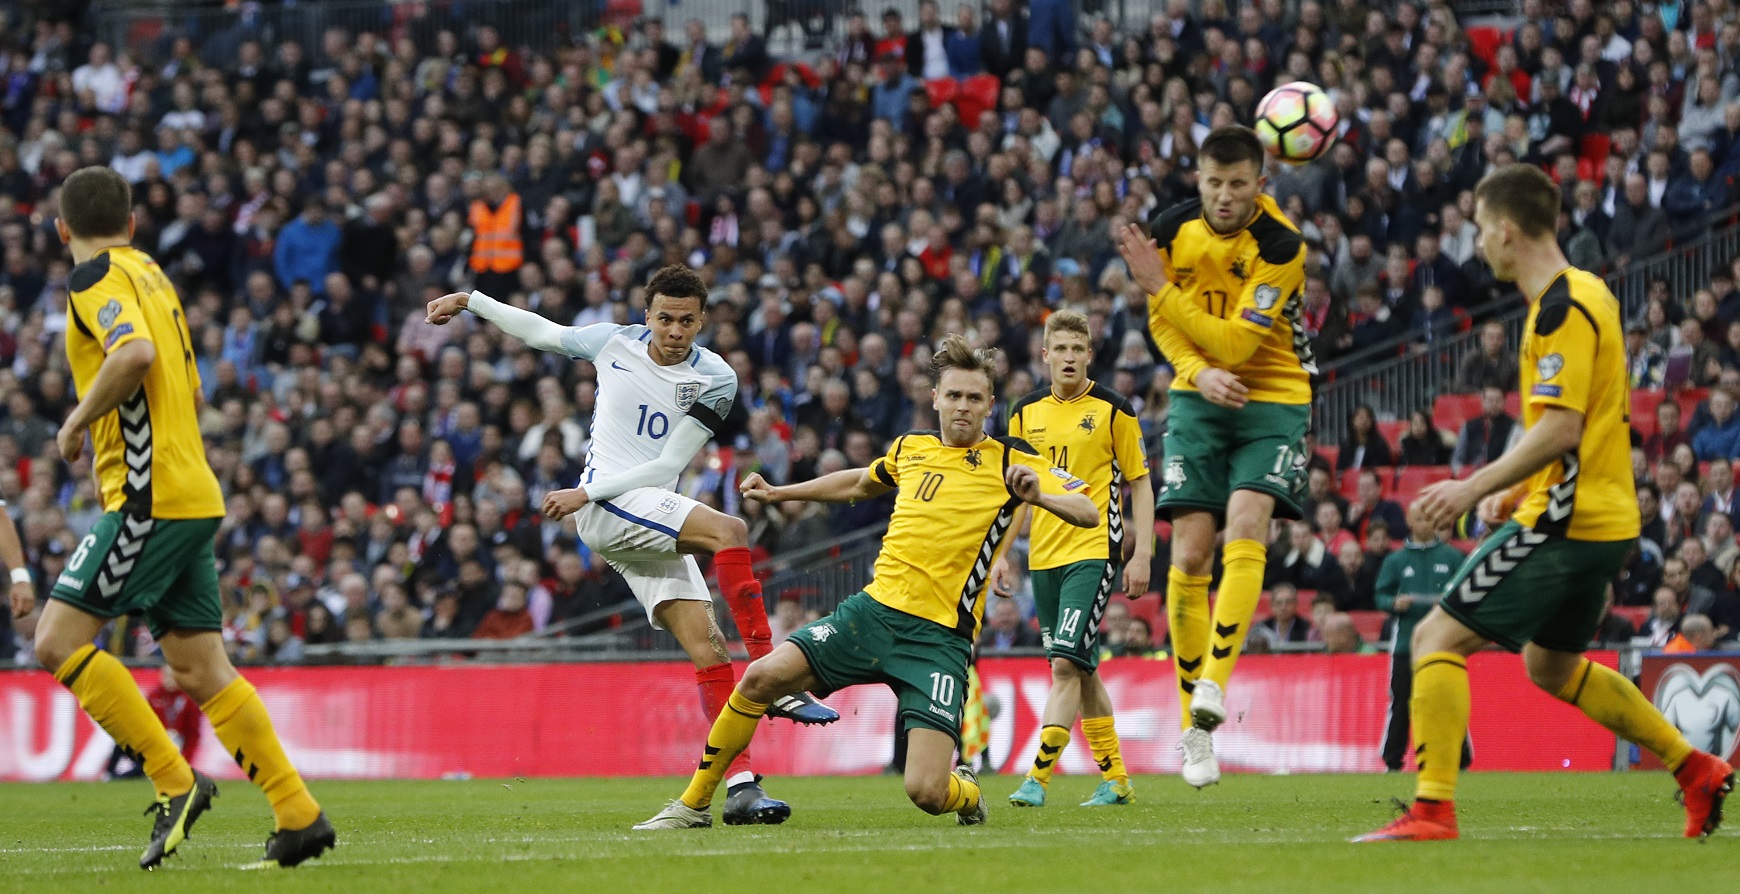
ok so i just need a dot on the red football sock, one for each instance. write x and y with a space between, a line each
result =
716 683
742 594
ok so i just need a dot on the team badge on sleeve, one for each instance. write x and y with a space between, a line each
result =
1267 296
107 313
1549 366
687 394
1070 482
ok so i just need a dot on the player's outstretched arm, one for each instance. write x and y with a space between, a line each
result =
1077 509
524 325
844 486
1556 433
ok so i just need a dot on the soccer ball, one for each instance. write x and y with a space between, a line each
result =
1296 122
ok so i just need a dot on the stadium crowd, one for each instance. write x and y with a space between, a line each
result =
309 196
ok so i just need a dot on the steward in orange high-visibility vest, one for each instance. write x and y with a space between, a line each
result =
495 221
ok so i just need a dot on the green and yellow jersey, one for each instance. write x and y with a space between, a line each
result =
951 523
1095 437
1234 302
1573 356
150 458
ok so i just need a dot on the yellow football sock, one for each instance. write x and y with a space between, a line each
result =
1052 741
731 733
963 795
107 692
1102 736
1241 585
239 719
1440 715
1187 617
1611 700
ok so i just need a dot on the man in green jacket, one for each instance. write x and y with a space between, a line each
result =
1411 581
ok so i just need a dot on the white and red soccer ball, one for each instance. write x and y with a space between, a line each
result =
1296 122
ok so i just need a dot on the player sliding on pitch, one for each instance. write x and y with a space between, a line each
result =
660 399
912 627
1566 501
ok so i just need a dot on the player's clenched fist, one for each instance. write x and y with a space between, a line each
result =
756 488
447 307
1023 482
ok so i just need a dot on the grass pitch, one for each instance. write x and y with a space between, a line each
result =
1521 833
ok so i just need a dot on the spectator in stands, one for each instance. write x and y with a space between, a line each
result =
1005 629
1341 637
1330 527
1646 361
1363 446
1361 574
1369 507
1639 227
1664 619
1696 634
1718 538
306 250
1362 267
1422 444
1493 366
1721 438
1695 196
509 618
1719 488
1308 565
1667 435
1487 436
1721 605
1285 624
1613 631
1319 489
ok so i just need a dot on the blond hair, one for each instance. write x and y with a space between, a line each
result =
954 352
1067 321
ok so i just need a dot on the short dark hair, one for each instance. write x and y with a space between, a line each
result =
1233 144
96 202
1524 195
677 281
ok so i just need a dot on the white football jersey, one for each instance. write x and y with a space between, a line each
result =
639 401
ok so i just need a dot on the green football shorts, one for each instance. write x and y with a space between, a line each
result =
1212 451
864 641
1072 602
160 568
1521 586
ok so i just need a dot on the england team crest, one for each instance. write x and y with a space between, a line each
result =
687 394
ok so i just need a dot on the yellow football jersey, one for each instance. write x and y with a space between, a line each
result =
951 523
1095 437
150 457
1573 356
1253 279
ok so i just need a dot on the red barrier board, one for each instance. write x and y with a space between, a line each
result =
1295 713
1700 694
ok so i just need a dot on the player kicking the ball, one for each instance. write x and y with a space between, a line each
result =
1091 432
660 399
1565 498
912 627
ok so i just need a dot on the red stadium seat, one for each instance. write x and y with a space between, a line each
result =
1306 597
1688 401
1596 147
1638 615
1369 624
977 95
622 13
1392 432
1643 404
1513 404
1411 479
1349 485
942 90
1148 608
1449 411
1484 41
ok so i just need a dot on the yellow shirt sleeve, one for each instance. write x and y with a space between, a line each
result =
1186 360
110 312
1260 302
1127 444
1052 480
1564 351
886 468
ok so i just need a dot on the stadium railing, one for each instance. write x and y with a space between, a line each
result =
1408 379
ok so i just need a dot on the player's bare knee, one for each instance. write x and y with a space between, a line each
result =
50 653
763 682
929 795
1064 670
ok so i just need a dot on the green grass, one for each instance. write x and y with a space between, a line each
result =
1521 833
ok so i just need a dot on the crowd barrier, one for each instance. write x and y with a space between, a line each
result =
1288 714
